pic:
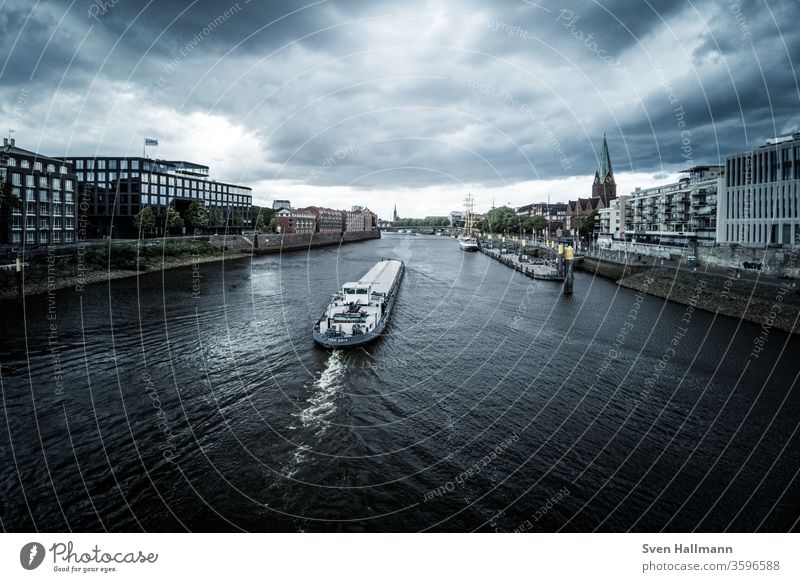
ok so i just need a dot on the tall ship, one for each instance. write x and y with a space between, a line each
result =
467 240
359 313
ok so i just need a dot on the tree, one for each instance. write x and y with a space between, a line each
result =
260 217
174 220
502 220
145 221
273 225
216 218
7 202
533 223
587 224
196 215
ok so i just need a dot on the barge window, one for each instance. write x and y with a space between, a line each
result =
361 291
349 291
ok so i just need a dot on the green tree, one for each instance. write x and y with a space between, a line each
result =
273 224
588 224
174 220
260 217
216 218
7 202
503 220
145 221
196 215
533 223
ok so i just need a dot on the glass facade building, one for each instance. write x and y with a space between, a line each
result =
114 189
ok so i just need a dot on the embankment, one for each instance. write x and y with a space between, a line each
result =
74 266
277 243
767 302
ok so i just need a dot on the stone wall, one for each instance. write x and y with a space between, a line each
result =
275 243
611 269
774 304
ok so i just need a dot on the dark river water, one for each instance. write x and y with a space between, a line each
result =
196 400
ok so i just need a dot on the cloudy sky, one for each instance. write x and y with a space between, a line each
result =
411 103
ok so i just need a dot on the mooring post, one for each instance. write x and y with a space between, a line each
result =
560 263
20 290
569 255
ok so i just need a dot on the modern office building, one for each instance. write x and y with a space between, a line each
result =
117 188
278 204
678 213
760 202
613 221
45 189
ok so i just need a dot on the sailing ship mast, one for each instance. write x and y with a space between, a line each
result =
468 219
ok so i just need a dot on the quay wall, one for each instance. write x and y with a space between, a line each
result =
277 243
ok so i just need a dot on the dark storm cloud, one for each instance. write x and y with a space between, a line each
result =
347 92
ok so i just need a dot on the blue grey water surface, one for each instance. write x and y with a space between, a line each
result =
195 399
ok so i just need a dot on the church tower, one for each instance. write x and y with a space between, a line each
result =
395 218
604 187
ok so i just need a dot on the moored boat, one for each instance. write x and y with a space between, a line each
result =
467 241
360 311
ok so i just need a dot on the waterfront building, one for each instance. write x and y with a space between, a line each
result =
455 218
360 219
677 213
45 189
327 219
555 213
278 204
760 202
117 188
295 221
579 210
613 220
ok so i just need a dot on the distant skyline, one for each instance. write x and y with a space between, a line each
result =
413 103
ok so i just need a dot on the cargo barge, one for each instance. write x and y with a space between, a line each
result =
358 314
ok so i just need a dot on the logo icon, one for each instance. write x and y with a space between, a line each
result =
31 555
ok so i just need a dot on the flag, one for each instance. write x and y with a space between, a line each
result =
150 142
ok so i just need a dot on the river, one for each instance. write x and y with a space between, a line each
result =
195 399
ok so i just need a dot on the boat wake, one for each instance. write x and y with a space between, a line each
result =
321 405
321 402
